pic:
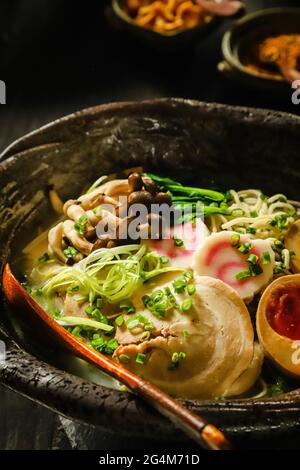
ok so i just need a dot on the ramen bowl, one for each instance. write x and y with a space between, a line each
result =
178 137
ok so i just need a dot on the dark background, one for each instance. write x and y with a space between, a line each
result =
58 56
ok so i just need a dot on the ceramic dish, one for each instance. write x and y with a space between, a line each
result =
248 30
172 41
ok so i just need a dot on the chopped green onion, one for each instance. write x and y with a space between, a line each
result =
141 358
127 305
149 326
228 196
146 299
97 210
253 214
170 295
57 314
178 241
278 388
103 346
279 268
111 346
26 287
256 270
95 313
70 252
142 318
252 258
185 333
124 358
157 296
89 310
235 239
266 257
237 212
98 343
191 289
44 258
278 245
80 225
176 358
119 320
188 275
186 305
164 259
245 247
243 275
159 312
280 221
179 285
131 324
76 331
251 230
145 336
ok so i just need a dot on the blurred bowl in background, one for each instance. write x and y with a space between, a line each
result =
177 39
247 32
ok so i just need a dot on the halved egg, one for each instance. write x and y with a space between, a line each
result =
278 323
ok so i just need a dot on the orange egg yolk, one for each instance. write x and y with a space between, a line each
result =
283 311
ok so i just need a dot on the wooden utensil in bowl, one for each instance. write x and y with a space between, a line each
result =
203 433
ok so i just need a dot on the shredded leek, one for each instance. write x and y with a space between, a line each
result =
87 322
97 183
113 274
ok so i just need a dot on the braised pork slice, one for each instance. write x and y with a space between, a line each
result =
215 339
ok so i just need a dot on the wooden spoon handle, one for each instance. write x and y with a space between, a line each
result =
205 434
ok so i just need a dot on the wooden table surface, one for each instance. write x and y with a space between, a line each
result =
79 60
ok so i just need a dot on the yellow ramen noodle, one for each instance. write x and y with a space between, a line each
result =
167 16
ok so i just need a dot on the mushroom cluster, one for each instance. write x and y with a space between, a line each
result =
113 204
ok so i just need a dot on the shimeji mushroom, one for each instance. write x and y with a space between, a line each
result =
77 240
55 241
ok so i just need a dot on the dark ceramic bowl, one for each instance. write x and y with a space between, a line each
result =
169 41
249 30
208 144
